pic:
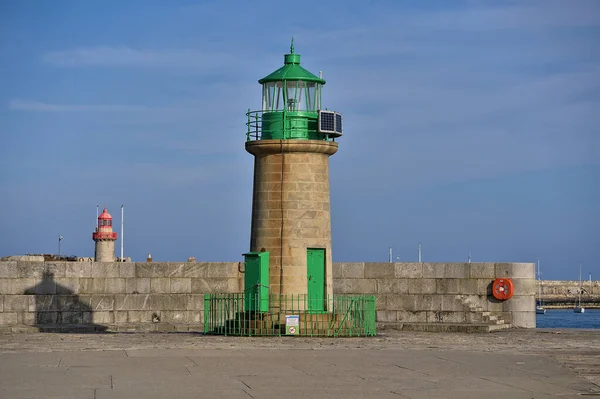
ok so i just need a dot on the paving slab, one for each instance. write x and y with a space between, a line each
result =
175 392
393 365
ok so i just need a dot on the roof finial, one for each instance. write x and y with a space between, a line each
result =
292 46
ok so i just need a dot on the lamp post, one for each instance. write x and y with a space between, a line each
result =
59 240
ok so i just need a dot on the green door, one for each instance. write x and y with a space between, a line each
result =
256 281
315 266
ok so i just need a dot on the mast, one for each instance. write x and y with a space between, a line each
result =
539 282
580 286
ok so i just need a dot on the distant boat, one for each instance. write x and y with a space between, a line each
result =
539 308
579 308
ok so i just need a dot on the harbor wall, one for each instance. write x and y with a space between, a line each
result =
565 294
128 294
458 293
170 295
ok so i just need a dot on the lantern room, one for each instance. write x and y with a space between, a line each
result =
104 229
104 219
291 106
291 87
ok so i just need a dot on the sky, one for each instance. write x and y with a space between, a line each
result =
469 126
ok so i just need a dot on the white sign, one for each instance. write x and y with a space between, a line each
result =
292 321
291 324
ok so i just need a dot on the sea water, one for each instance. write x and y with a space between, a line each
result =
566 318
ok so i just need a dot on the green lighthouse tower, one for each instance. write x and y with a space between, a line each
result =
291 138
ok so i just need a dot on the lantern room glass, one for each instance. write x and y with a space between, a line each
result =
273 96
292 95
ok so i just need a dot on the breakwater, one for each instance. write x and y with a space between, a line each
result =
565 294
157 296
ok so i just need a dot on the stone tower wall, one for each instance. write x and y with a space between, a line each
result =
105 251
291 208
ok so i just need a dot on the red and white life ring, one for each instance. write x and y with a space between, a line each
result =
503 289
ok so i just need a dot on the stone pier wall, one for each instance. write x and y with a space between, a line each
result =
167 294
50 293
441 292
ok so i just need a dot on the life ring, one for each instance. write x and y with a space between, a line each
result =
503 289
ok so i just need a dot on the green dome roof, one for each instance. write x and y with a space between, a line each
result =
291 70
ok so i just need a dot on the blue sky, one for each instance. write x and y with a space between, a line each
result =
469 126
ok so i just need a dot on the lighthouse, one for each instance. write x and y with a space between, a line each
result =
105 238
292 138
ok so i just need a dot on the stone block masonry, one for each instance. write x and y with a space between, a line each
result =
291 209
58 293
451 293
124 294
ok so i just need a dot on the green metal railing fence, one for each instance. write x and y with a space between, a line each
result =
333 316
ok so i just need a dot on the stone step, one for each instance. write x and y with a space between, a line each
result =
444 327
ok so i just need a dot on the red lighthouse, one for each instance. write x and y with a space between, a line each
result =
105 238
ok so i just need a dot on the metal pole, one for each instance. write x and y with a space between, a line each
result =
59 240
391 257
419 252
121 233
539 282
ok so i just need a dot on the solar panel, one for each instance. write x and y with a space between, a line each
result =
327 121
330 122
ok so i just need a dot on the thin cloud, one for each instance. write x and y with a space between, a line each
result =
533 15
390 32
161 175
123 56
27 105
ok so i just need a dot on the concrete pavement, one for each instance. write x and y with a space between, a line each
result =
395 365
